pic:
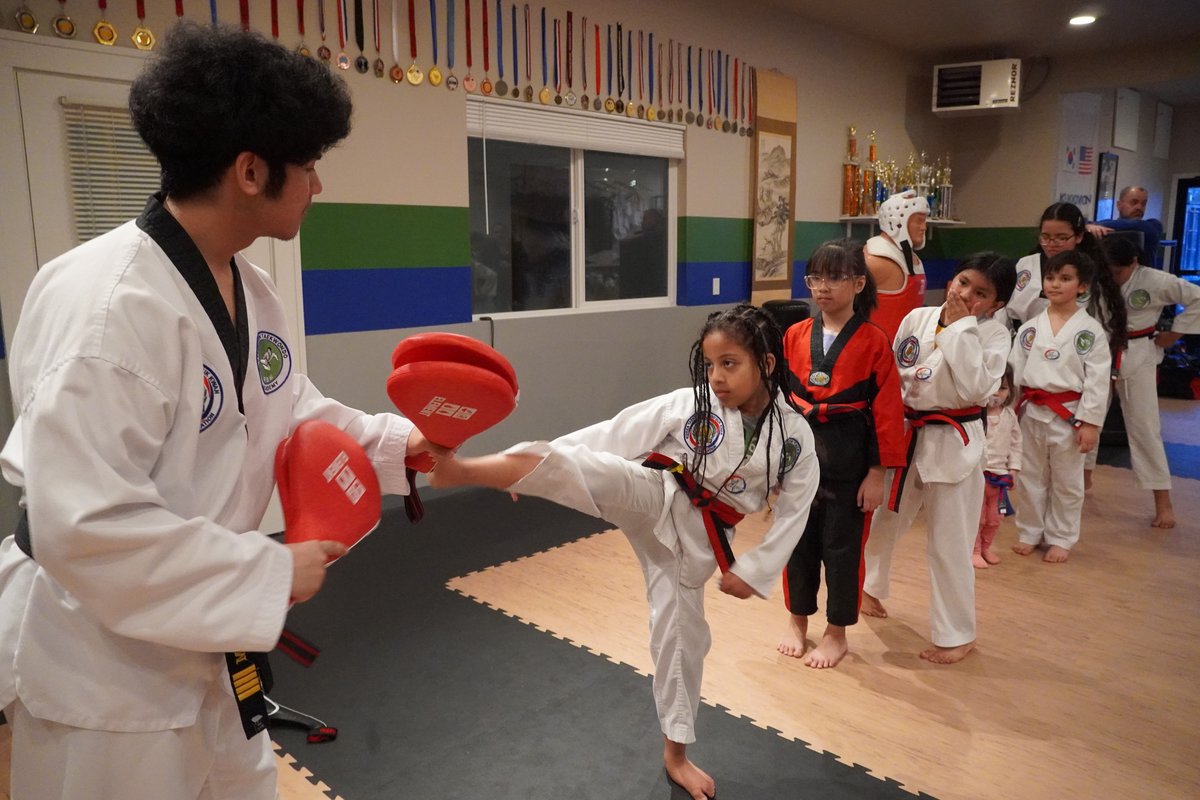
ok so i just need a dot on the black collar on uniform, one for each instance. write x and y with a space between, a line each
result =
821 361
168 234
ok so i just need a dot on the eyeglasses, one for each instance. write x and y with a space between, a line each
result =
1058 238
817 281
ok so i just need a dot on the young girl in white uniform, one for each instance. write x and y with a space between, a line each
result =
951 358
1061 366
1146 291
675 473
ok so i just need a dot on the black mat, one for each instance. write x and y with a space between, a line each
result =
436 696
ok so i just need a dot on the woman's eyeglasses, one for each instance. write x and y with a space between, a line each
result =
1055 238
818 281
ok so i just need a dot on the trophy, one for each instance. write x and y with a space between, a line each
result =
945 193
866 206
850 184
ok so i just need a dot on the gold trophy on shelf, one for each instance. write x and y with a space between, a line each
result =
945 192
850 184
866 205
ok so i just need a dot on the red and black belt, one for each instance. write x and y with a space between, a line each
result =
821 412
1055 401
719 517
919 418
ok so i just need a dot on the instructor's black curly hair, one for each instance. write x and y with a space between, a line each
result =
212 93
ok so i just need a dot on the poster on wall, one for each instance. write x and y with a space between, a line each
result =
774 201
1075 176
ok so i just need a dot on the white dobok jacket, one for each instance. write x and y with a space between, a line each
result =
1146 292
1076 359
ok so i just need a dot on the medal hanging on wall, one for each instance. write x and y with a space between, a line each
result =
641 108
142 37
630 108
323 52
302 48
378 66
501 84
397 72
558 98
670 80
714 90
103 31
451 78
619 105
414 74
651 114
728 124
570 95
468 82
655 112
679 82
544 92
708 77
63 26
435 73
343 60
737 110
516 70
528 93
485 85
361 64
585 101
26 21
750 94
699 118
597 103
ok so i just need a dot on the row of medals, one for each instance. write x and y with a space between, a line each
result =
545 95
103 31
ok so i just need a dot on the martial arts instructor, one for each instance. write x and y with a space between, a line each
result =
152 378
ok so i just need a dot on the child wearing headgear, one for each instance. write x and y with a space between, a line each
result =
896 269
1001 463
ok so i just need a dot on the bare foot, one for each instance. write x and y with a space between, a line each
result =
831 650
1164 513
793 642
1022 549
989 556
978 562
872 607
1056 554
947 655
694 780
1087 479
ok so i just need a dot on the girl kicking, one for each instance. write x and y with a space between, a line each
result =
675 474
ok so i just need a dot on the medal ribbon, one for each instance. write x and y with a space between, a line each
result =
670 71
641 42
212 10
433 26
412 31
727 86
557 58
516 68
620 69
179 8
450 35
660 70
750 96
718 81
395 32
275 18
710 83
528 54
629 62
597 43
736 108
141 10
243 7
375 20
343 24
583 53
570 46
487 59
300 16
609 61
689 76
544 75
320 18
651 67
679 74
500 39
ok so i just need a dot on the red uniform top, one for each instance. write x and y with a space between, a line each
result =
893 306
850 396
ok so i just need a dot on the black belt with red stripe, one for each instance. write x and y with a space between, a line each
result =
719 517
917 419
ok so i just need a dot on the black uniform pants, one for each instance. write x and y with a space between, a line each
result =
834 537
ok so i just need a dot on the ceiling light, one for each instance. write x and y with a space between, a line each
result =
1083 19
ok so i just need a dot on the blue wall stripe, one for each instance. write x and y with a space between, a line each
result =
938 272
694 282
343 300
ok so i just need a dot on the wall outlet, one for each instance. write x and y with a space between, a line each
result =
716 286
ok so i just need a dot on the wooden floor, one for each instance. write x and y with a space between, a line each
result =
1084 683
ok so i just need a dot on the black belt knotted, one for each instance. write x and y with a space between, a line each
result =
719 517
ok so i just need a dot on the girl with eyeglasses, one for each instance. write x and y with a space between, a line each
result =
843 379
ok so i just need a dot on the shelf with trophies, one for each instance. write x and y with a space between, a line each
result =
867 184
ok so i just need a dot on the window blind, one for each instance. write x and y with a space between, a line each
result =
111 173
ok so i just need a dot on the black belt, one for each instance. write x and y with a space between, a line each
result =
22 535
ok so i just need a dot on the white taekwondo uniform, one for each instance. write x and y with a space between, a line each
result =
145 473
959 367
597 470
1027 300
1146 292
1076 359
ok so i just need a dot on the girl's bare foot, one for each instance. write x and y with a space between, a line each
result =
1056 554
978 562
831 650
872 607
1164 513
989 556
694 780
947 655
1022 549
793 642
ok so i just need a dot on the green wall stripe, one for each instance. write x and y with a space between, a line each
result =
958 243
806 236
362 235
703 239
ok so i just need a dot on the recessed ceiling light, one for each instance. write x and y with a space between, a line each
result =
1083 19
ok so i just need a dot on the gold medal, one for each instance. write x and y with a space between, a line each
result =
544 95
716 122
630 110
414 74
143 38
302 50
610 105
486 86
435 76
64 26
26 21
104 33
651 114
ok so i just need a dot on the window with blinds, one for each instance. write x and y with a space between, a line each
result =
110 170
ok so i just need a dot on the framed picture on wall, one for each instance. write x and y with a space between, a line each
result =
1106 186
774 201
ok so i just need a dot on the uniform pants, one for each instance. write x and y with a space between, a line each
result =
1051 482
634 498
210 760
989 518
1143 426
952 521
834 536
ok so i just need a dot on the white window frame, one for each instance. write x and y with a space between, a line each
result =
579 132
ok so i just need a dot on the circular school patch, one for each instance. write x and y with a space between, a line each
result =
736 484
214 398
704 435
908 351
791 453
1023 278
1084 341
274 361
924 374
1027 337
1052 354
1139 299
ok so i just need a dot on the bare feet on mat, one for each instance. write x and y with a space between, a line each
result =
830 651
872 607
947 655
978 561
1164 512
1022 549
989 556
1056 554
694 780
793 642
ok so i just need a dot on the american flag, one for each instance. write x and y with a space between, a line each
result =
1087 156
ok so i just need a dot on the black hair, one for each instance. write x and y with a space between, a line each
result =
1104 302
845 257
1007 380
1121 251
754 329
1000 271
1070 214
213 93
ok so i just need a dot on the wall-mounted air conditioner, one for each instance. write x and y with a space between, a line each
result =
976 86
